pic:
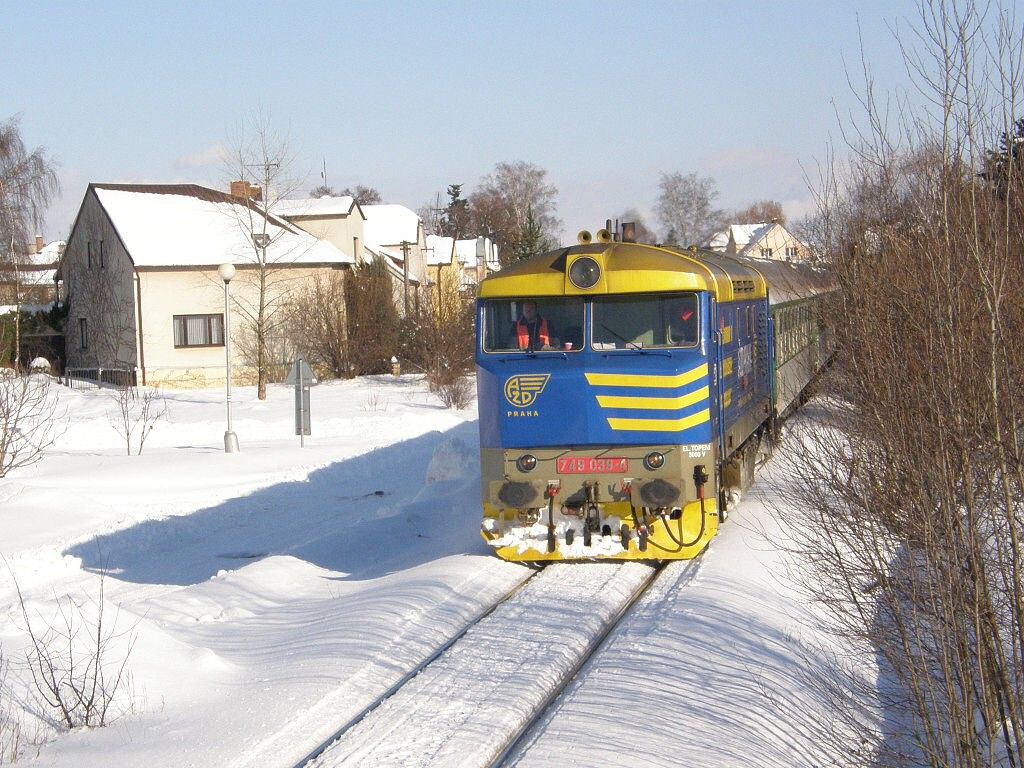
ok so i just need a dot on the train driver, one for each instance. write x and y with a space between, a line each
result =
683 322
531 330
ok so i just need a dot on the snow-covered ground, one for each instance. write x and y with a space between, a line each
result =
272 594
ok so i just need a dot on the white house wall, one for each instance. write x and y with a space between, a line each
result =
344 232
169 292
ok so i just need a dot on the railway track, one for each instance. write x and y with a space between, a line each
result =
476 699
353 721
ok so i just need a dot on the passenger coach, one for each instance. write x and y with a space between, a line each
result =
625 391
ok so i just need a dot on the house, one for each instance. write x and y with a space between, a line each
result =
477 256
29 279
142 288
444 273
767 240
395 233
338 220
28 282
456 267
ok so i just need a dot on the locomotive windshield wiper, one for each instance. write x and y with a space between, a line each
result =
624 340
637 346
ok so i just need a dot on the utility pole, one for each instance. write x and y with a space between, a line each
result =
405 273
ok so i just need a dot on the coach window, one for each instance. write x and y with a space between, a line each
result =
550 325
640 322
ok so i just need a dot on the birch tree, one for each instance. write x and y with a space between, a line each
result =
28 182
516 205
685 207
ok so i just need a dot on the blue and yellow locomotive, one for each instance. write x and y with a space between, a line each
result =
626 389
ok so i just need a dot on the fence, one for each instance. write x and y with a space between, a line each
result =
94 378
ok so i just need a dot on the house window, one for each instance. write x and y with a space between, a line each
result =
199 330
790 251
103 260
88 254
766 253
83 333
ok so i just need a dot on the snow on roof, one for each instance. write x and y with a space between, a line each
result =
390 225
439 250
42 274
393 261
51 253
314 206
189 225
742 234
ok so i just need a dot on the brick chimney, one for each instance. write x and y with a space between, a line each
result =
246 191
40 244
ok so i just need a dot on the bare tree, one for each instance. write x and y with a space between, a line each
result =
363 195
78 671
516 205
371 318
318 323
28 181
439 342
10 723
913 481
761 211
29 419
685 207
262 159
138 411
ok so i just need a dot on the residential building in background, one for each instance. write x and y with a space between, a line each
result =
767 240
141 283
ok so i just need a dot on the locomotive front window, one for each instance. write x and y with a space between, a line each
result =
533 324
640 322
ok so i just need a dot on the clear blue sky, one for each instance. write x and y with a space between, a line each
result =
411 97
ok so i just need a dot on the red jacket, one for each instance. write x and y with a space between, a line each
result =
523 332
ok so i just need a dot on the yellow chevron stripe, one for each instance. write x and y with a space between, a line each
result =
727 398
727 366
660 425
639 380
727 335
653 403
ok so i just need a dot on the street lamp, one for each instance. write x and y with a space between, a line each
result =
226 272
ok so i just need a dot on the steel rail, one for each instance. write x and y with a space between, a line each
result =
600 640
353 721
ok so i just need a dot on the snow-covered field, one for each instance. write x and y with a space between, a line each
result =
270 595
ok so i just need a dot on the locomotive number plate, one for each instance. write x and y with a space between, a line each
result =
579 465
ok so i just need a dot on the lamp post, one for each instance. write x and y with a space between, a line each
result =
226 272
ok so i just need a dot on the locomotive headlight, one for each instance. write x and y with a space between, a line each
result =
654 460
584 273
526 463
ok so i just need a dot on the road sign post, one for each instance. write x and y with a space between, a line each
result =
302 378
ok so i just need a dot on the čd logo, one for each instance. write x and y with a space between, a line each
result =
522 391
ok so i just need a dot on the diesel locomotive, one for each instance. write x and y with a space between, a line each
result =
625 391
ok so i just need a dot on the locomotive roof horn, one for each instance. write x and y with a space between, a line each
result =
584 237
604 236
